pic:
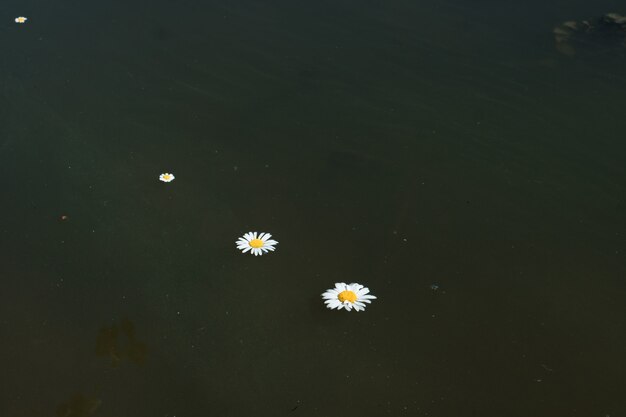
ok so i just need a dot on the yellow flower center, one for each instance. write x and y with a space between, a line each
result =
256 243
167 176
347 296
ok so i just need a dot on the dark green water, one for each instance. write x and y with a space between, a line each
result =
442 153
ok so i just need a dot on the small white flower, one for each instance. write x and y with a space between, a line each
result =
257 244
167 177
21 19
347 296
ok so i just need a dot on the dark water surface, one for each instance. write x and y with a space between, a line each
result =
443 153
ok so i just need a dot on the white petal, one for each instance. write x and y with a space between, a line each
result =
363 291
266 237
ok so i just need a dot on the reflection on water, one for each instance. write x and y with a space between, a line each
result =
78 406
594 35
118 342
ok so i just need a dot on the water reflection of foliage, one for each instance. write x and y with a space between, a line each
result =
78 406
118 342
608 30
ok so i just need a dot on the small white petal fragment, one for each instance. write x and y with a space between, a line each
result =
347 296
166 177
256 243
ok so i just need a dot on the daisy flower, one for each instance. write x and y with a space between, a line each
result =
257 244
21 19
166 177
347 296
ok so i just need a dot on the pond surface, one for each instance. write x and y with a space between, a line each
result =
445 154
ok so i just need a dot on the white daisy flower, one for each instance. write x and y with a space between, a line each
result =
257 244
347 296
21 19
167 177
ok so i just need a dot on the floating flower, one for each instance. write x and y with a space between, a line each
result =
347 296
256 244
21 19
166 177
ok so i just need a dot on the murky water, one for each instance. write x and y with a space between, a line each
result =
444 154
